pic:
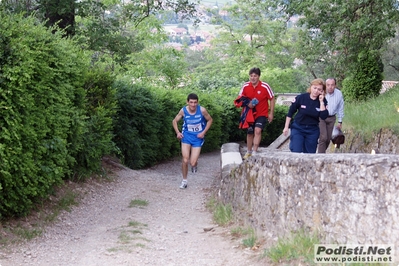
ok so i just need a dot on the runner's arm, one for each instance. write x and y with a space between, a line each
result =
178 117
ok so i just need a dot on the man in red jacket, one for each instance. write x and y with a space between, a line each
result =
261 99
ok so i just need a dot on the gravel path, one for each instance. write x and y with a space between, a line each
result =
104 230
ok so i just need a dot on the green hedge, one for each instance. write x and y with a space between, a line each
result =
95 137
41 78
56 113
138 125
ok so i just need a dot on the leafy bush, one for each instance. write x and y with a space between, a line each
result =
169 102
229 115
90 145
41 78
365 82
138 128
209 101
285 80
273 130
211 83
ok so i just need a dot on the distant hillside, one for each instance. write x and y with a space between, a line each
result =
218 3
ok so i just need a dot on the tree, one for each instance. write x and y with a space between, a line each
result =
59 12
137 11
341 30
365 81
390 58
52 12
162 66
182 26
111 29
19 6
250 35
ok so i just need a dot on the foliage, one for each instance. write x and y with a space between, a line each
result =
250 37
229 115
222 214
339 31
137 129
298 245
55 14
138 11
214 83
100 109
41 78
138 203
384 106
390 57
16 7
285 80
365 81
169 102
273 130
162 67
102 28
60 13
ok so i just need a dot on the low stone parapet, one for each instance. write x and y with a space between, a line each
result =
348 198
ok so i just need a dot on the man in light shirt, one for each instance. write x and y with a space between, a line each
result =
335 107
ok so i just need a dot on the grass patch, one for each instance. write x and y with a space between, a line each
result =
46 210
26 233
125 237
138 203
385 106
250 241
248 234
32 226
128 239
63 204
238 232
298 246
222 214
136 232
135 224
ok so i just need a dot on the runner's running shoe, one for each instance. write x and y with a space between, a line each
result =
247 155
183 184
193 169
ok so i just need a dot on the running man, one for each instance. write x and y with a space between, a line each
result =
196 122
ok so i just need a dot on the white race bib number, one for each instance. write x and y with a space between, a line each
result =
194 128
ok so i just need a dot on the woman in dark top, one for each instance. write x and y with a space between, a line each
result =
309 107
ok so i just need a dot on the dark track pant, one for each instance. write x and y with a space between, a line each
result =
304 138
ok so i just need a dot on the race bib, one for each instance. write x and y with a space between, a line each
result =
195 128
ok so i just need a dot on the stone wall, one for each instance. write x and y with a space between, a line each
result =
348 198
384 141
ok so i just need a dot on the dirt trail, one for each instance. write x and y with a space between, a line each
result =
104 230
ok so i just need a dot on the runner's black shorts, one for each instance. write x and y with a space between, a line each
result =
259 122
